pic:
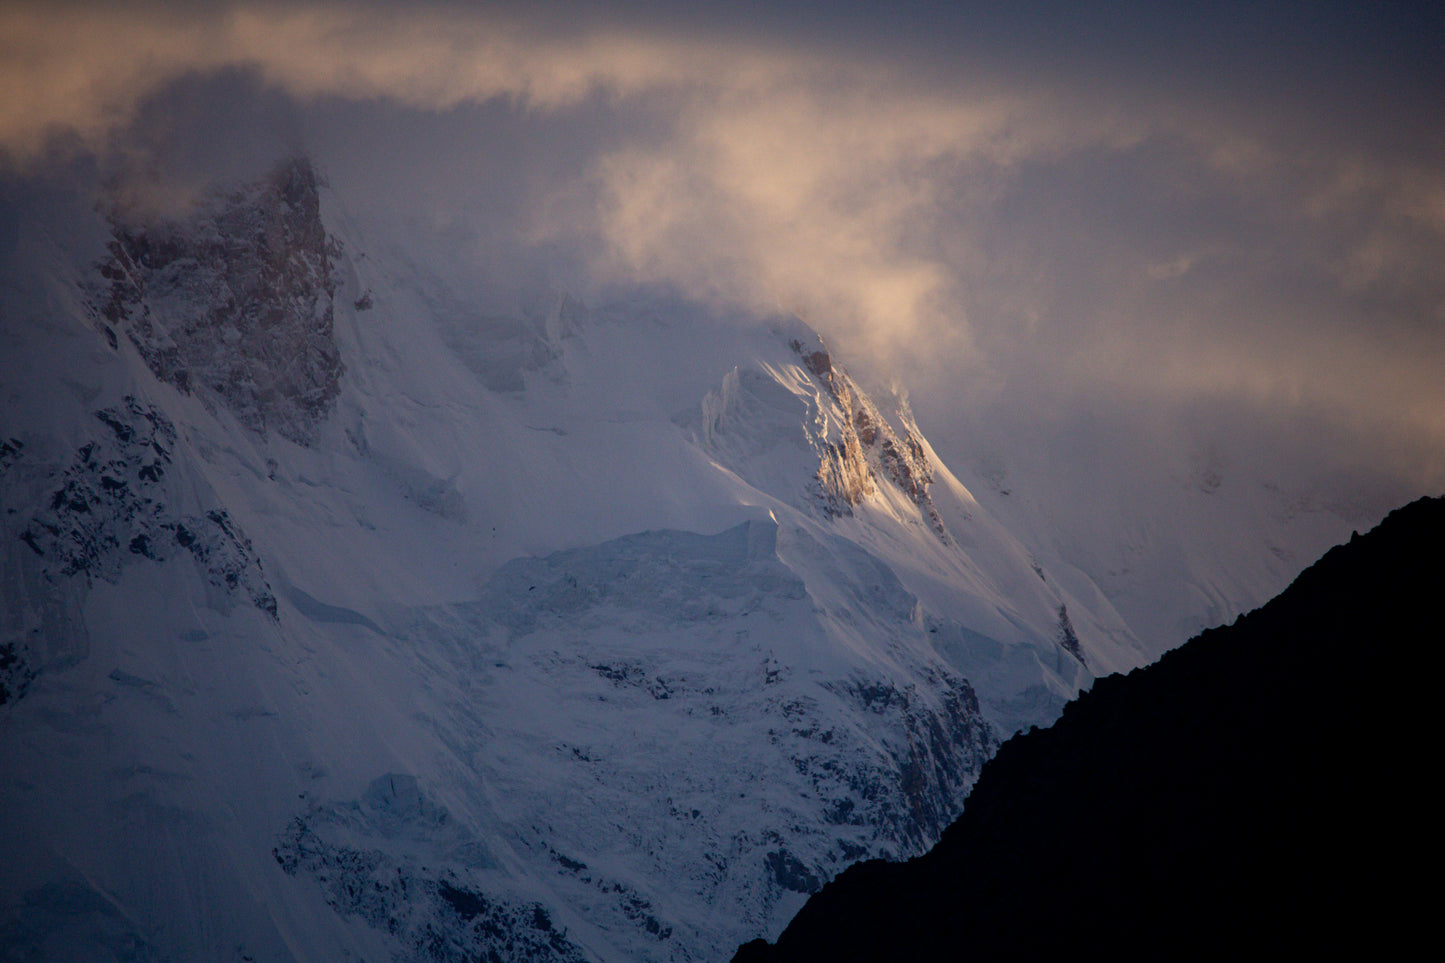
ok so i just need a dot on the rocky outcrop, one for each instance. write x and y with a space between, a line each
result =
944 744
398 861
235 303
109 508
15 672
1069 639
844 475
869 448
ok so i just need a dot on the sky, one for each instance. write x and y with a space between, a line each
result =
1101 240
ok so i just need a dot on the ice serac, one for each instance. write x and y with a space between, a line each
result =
235 301
602 633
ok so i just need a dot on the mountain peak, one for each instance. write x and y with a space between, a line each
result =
235 301
500 649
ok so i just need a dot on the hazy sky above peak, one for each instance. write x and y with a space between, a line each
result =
1219 226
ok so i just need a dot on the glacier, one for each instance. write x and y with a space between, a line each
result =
342 619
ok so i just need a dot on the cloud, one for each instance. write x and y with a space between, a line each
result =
85 69
1024 213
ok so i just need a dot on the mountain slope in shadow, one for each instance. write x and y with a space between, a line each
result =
1263 788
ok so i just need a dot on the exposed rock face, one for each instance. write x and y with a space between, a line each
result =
1068 638
110 507
10 450
235 302
946 744
15 672
869 447
438 913
844 474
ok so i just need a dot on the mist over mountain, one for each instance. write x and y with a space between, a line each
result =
1257 787
344 613
1149 276
341 617
562 481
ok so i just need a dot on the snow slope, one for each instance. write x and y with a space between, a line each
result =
341 620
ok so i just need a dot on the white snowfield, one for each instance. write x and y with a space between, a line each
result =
362 626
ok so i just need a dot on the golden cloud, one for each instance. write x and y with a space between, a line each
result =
784 175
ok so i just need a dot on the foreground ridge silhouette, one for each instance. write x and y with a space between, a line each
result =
1262 788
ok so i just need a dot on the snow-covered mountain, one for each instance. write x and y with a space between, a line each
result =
339 619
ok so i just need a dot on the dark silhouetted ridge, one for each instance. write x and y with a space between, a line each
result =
1260 790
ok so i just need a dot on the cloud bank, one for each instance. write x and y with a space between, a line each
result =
1182 223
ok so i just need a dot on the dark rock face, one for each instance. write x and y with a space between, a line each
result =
112 505
942 747
109 506
438 912
1240 793
1068 638
15 672
10 450
235 303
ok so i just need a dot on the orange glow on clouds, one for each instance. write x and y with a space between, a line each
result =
885 205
